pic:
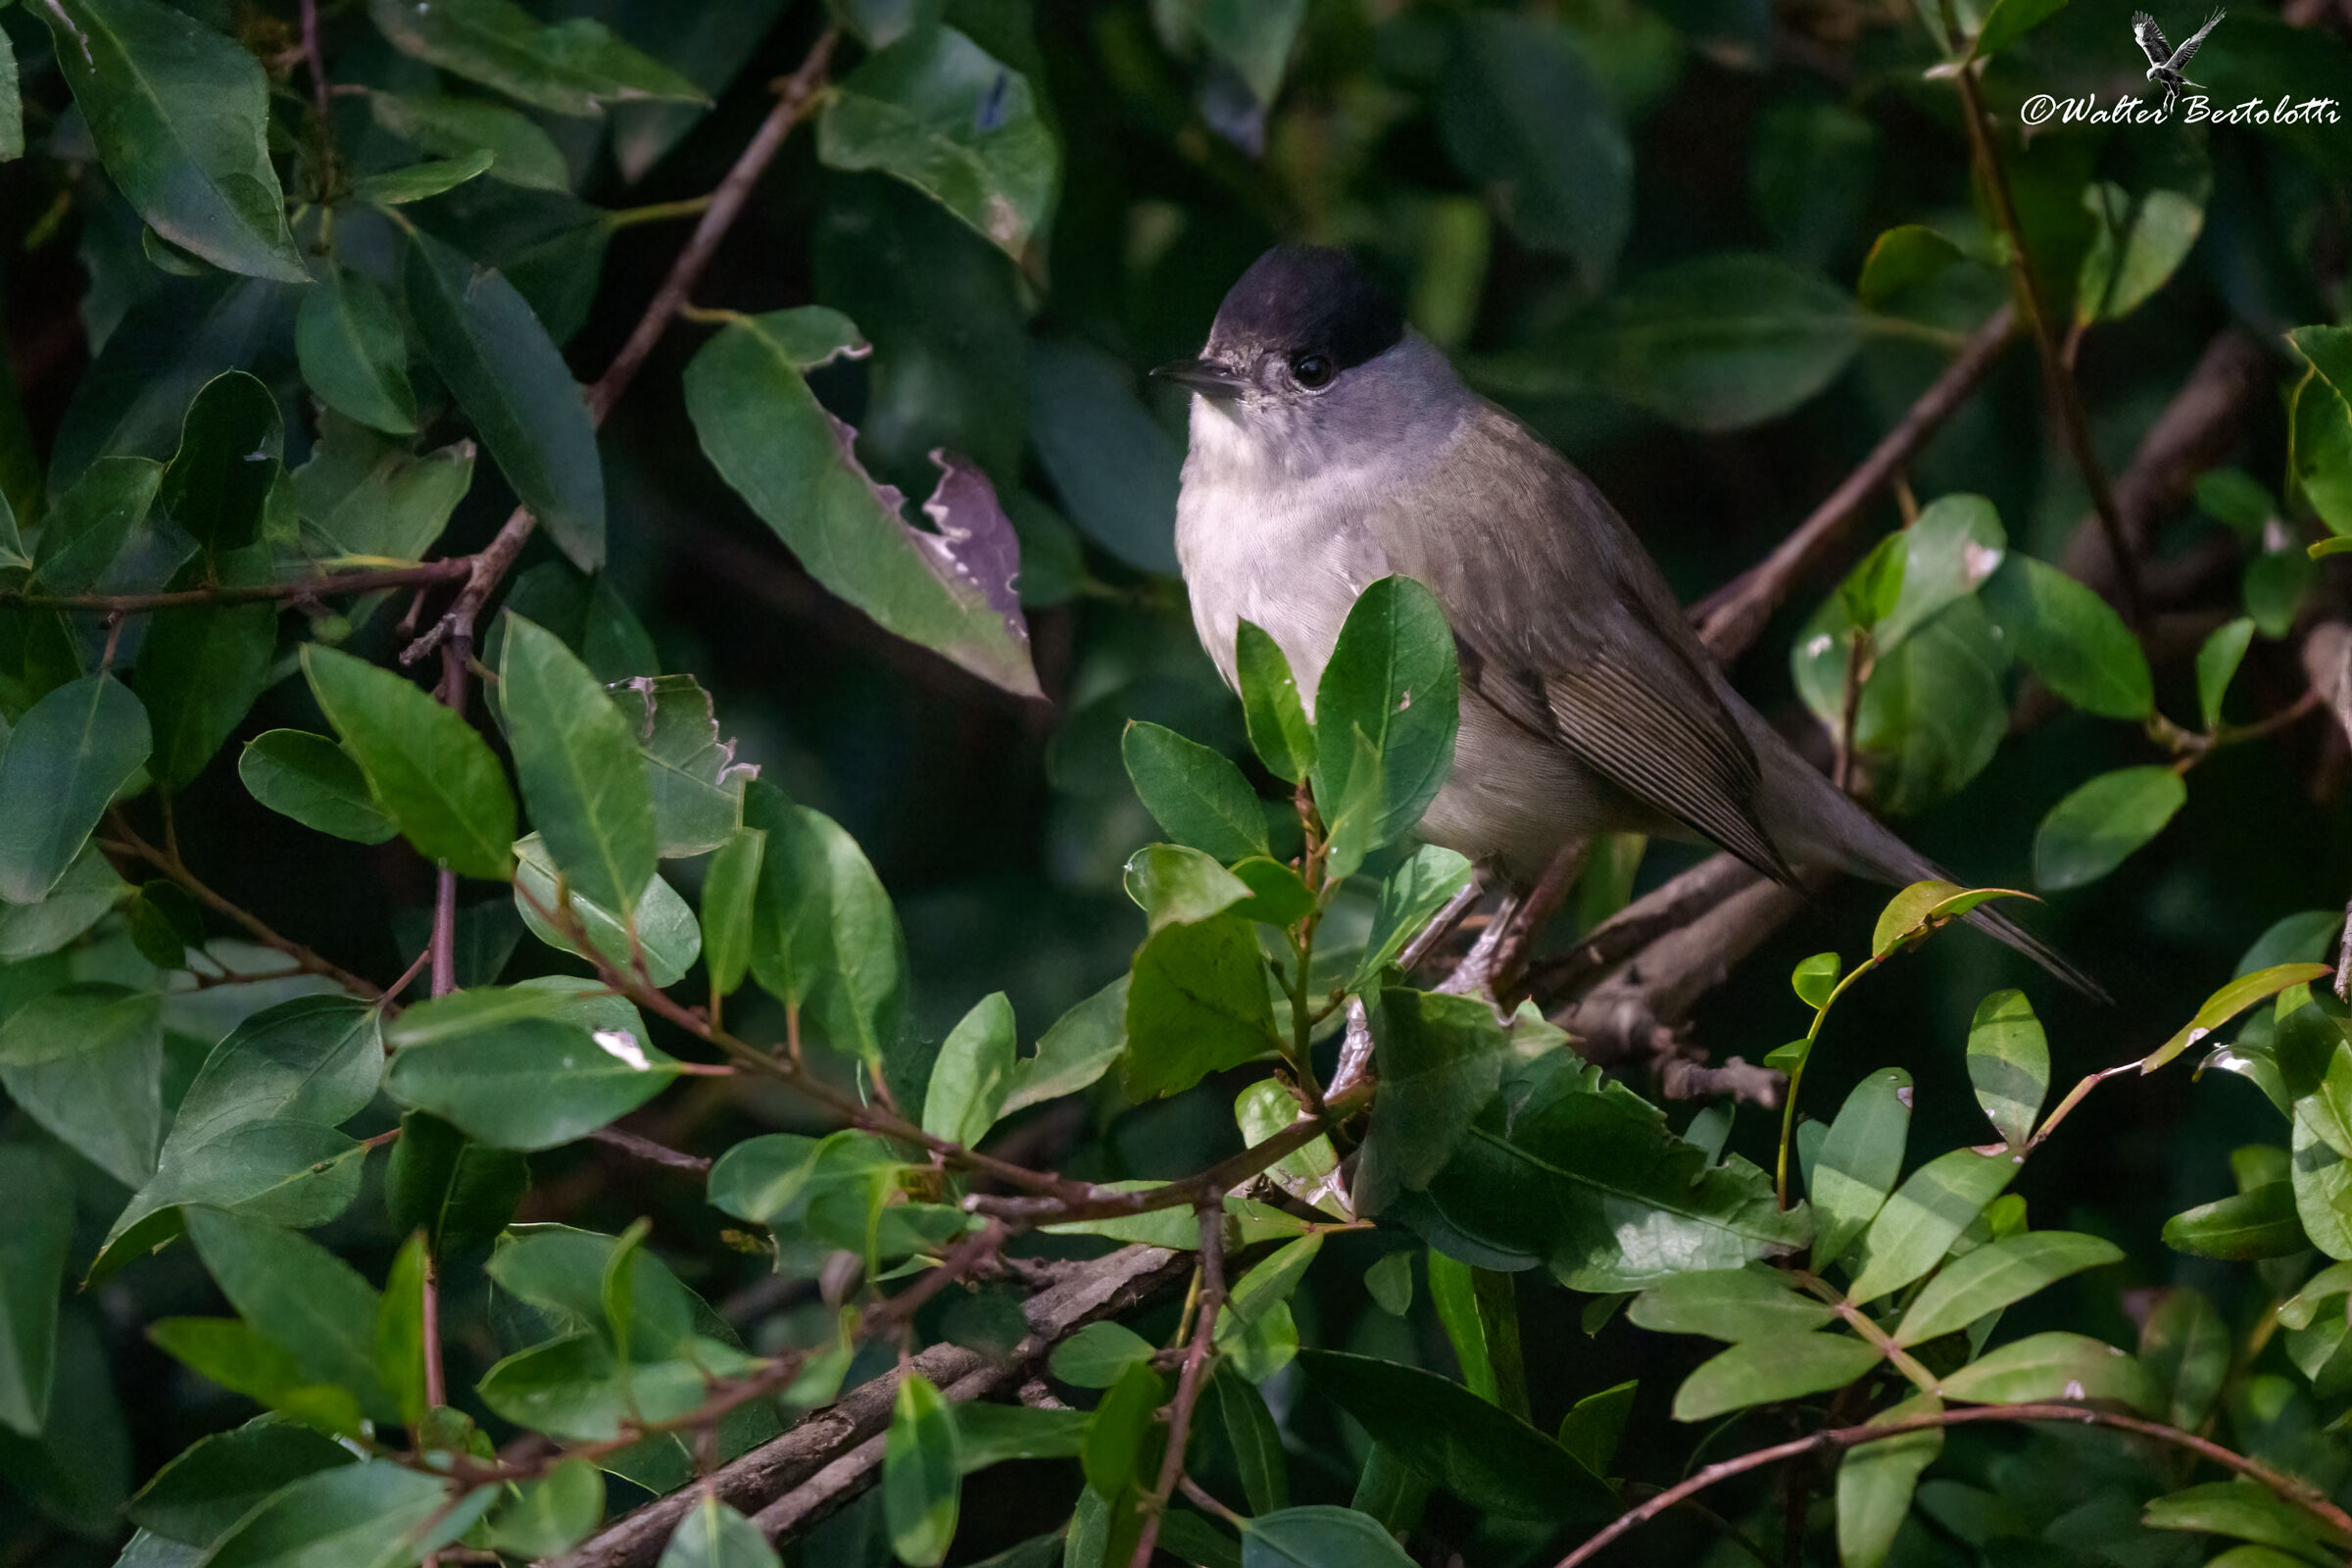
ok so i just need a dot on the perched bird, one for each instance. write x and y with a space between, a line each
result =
2165 61
1331 445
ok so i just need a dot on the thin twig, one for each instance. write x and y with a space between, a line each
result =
332 583
316 56
1187 1382
645 1148
1839 1438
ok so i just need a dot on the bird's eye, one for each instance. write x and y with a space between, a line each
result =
1312 371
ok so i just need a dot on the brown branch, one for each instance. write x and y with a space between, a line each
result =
1733 617
1839 1438
297 588
321 91
796 97
794 1479
1187 1382
645 1148
1675 904
174 867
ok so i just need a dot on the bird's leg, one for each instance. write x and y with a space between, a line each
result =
1475 975
1493 966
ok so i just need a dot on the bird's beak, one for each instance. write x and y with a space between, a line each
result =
1205 377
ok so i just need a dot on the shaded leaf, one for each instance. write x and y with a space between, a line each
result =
1729 1304
1859 1160
427 769
1875 1481
35 1229
2070 638
920 1485
2009 1064
1196 1004
1280 731
354 354
1770 1368
1439 1058
581 772
571 68
313 780
1924 1216
66 759
1996 1274
2097 826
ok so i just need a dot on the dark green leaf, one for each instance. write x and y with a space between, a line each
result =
1901 256
1392 680
1196 795
2248 1511
370 500
2137 241
313 780
397 187
2216 664
1439 1058
920 1485
1197 1004
1099 1355
936 111
104 1099
2097 827
181 118
199 671
1875 1481
2011 20
233 1354
459 1192
712 1534
299 1296
951 590
550 1516
825 937
1319 1536
2009 1064
1729 1304
1280 731
427 766
92 521
990 1434
1591 1428
971 1073
2186 1349
1113 467
66 759
219 481
1121 1429
1770 1368
498 361
1926 1215
573 68
729 890
2052 1366
530 1083
2068 636
354 354
522 154
1996 1274
1859 1160
34 1233
581 772
1249 1432
79 1019
667 938
697 785
1489 1458
374 1511
218 1479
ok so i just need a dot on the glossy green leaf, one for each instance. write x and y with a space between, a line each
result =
313 780
1196 795
1078 1050
1438 1060
1859 1160
550 1516
971 1073
1121 1432
1816 979
1729 1304
2249 1511
297 1296
199 671
1392 680
573 68
373 1512
459 1192
530 1083
1875 1481
938 112
825 937
1489 1458
1926 1215
1240 1415
2070 637
35 1229
520 153
354 354
2097 827
2228 1002
487 345
730 889
920 1486
1280 731
582 775
2009 1064
1178 886
218 1479
179 113
1196 1004
1770 1368
1099 1355
66 759
426 767
2051 1366
1319 1536
1996 1274
949 590
2218 660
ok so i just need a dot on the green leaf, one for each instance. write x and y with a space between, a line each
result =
1390 1284
1592 1426
1280 731
91 522
1875 1481
1392 680
199 671
1926 1215
1197 1004
1439 1058
1721 342
2322 1180
1770 1368
1309 1173
2218 660
218 1479
2009 1064
550 1516
1409 900
522 154
573 68
65 761
400 1339
2186 1348
1519 113
2228 1002
1901 258
1319 1536
990 1434
1178 886
488 346
397 187
920 1486
35 1229
354 354
313 780
730 888
938 112
79 1019
78 1472
459 1192
1586 1176
1728 1303
825 937
1453 1291
1859 1160
181 118
1099 1355
667 938
1194 794
2100 824
712 1534
950 590
1078 1050
2321 452
425 765
104 1099
1267 1284
1816 979
697 785
1112 465
2070 638
1996 1274
970 1075
2248 1511
2137 242
375 1511
11 106
2052 1366
218 482
299 1296
1117 1437
1240 1415
2009 20
1484 1456
530 1083
581 772
372 501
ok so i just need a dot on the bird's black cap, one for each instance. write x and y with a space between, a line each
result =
1307 299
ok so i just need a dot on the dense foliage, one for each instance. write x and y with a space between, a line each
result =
670 977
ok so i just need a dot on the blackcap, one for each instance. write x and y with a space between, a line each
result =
1333 446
